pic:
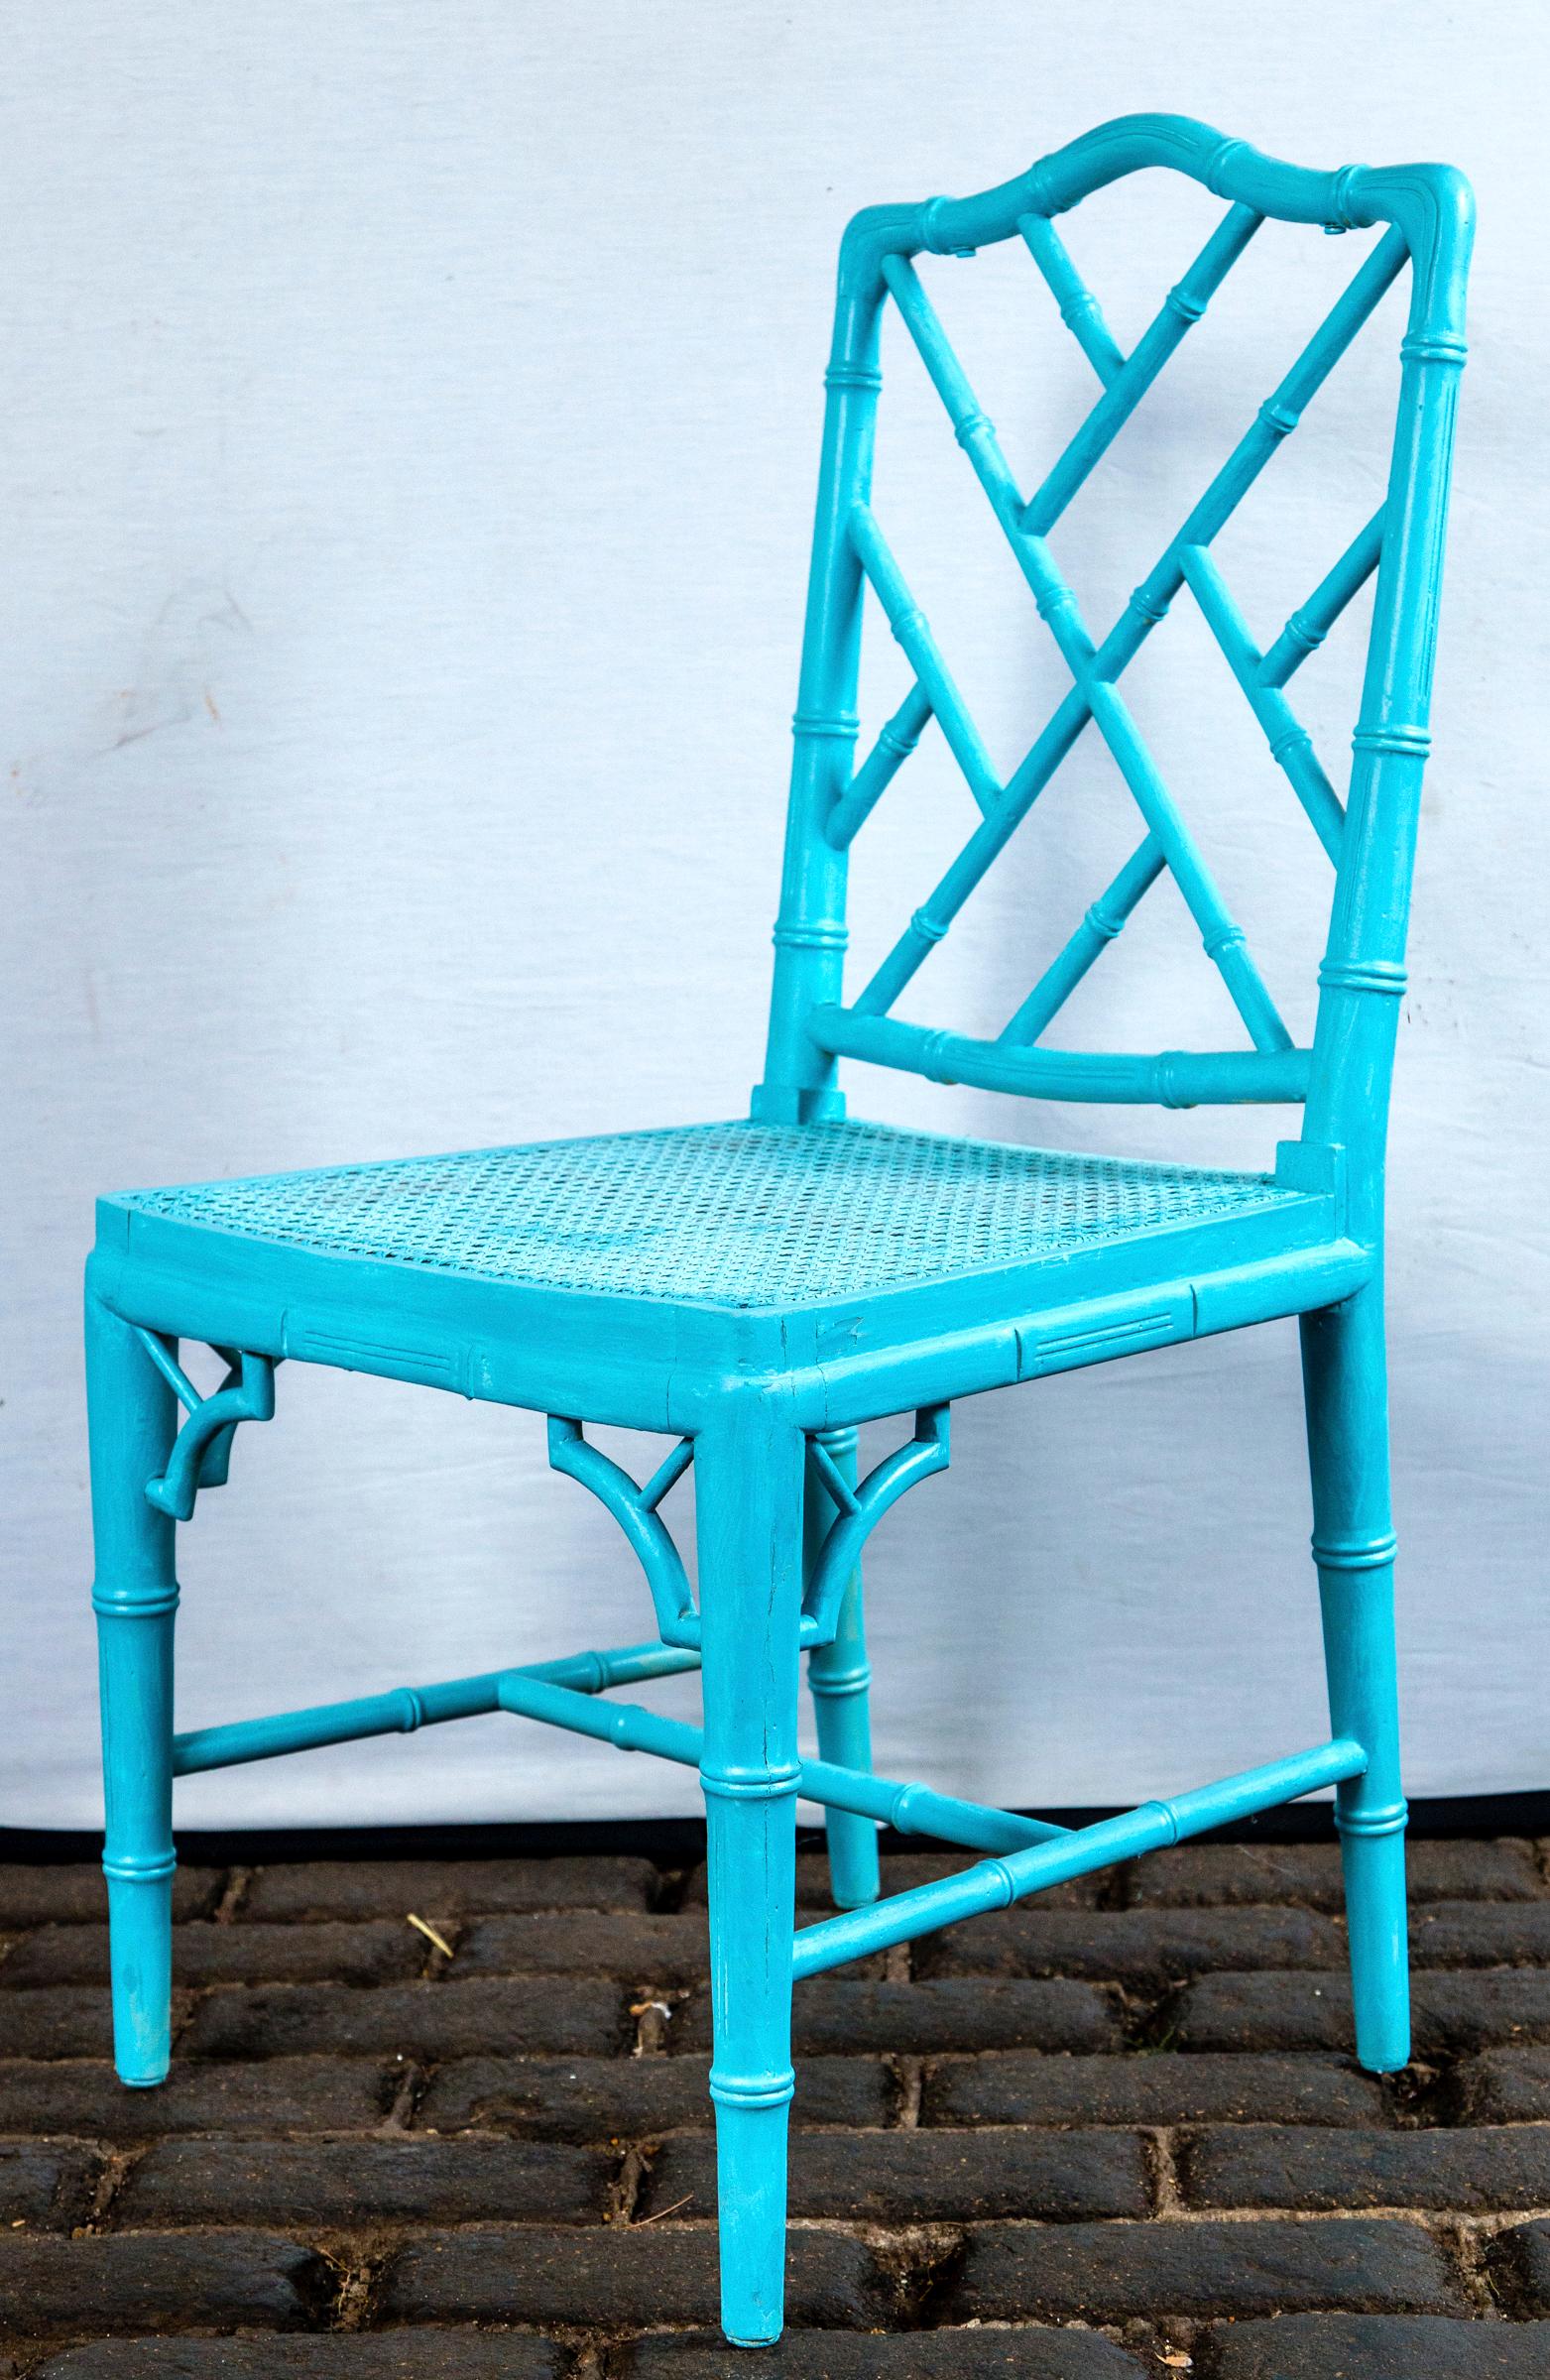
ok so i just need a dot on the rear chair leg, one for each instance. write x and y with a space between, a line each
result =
1345 1385
133 1420
748 1467
838 1680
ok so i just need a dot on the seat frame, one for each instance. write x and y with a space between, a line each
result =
765 1402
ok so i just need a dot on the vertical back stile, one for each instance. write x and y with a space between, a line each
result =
1363 976
810 936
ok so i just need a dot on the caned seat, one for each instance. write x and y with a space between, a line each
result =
758 1289
733 1214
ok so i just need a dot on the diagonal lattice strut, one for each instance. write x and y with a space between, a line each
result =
935 679
1080 311
1291 746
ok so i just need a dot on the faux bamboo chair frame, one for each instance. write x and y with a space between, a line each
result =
764 1394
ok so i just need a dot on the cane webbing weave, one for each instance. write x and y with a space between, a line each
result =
732 1214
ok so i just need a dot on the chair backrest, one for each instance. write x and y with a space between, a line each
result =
1427 213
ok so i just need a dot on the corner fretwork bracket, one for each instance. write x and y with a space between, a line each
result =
635 1508
201 1451
860 1509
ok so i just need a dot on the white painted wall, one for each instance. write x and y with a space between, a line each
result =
409 423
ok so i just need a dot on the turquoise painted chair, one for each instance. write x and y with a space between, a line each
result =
757 1290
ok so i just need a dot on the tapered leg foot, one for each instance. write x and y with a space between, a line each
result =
839 1681
135 1598
1344 1383
749 1494
140 1922
1374 1867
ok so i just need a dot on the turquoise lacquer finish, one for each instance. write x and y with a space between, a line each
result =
758 1289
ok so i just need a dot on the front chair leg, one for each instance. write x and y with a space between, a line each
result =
133 1419
1344 1379
748 1469
839 1680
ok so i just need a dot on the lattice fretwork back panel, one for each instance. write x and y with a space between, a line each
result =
1421 217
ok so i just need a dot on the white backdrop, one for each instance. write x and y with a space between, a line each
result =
410 425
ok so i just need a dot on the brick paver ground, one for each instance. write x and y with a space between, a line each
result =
1111 2135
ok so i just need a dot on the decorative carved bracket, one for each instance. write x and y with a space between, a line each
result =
635 1510
201 1451
860 1509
